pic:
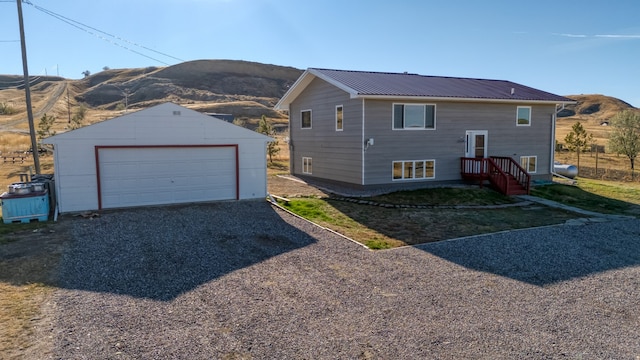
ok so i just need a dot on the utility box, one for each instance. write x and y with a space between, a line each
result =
28 202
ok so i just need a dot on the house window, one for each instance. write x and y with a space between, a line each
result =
414 169
306 119
529 163
414 116
339 118
524 116
306 165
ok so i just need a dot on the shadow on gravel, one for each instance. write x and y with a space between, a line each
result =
161 253
546 256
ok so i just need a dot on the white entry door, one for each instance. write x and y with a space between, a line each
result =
476 143
476 147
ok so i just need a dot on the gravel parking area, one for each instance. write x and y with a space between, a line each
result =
242 280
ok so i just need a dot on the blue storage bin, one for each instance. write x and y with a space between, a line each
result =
25 208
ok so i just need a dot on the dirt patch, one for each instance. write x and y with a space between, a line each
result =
288 186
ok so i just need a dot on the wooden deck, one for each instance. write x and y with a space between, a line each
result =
503 173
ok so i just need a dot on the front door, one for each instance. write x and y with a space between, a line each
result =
476 147
476 143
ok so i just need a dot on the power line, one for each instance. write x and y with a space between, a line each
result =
19 83
86 28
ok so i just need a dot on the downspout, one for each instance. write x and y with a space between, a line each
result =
290 145
363 144
553 140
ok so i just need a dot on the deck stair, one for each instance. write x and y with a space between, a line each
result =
502 172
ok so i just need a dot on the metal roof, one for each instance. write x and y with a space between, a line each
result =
366 84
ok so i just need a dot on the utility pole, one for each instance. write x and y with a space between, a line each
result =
27 90
68 103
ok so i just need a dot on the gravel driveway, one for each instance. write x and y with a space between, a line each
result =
241 280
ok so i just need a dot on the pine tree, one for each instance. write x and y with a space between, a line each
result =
44 127
578 139
264 127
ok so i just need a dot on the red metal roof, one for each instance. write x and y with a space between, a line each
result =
372 84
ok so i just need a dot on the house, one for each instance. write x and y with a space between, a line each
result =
166 154
402 130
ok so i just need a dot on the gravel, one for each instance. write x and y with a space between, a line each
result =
242 280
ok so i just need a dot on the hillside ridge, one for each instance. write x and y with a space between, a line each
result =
593 107
247 90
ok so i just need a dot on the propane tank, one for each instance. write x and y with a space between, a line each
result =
570 171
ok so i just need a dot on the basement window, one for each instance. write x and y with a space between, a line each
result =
307 167
414 170
529 163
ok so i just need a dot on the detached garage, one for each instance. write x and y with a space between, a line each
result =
166 154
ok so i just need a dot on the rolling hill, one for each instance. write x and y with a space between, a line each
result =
593 112
247 90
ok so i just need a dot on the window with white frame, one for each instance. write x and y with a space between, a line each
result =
305 115
523 117
414 169
529 163
339 118
414 116
306 165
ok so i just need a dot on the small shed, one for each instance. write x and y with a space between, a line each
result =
166 154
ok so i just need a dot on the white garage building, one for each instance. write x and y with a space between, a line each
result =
166 154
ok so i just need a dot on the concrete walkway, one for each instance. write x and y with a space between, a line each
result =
592 216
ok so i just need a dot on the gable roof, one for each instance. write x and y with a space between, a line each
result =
183 124
382 85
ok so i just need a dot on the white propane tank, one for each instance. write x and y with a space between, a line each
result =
570 171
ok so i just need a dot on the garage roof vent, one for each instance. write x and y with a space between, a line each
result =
176 113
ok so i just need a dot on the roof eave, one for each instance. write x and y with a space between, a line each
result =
303 81
293 92
459 99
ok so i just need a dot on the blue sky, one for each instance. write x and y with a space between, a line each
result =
561 46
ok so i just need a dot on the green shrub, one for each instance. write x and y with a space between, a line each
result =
6 109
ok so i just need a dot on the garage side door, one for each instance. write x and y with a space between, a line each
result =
166 175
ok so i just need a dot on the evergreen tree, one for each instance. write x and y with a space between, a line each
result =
264 127
44 127
578 139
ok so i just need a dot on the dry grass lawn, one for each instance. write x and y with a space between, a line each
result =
27 257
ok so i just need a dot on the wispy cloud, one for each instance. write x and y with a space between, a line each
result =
573 35
602 36
618 36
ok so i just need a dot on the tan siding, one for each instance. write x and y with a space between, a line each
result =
336 154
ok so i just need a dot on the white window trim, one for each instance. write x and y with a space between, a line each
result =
414 171
310 119
528 157
435 116
530 115
341 107
305 165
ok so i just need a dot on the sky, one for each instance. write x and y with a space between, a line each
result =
565 47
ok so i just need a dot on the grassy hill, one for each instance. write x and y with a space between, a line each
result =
247 90
593 112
